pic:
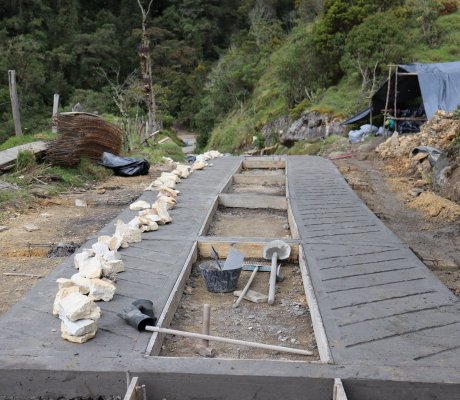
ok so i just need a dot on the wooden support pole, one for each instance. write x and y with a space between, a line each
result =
396 97
206 323
385 112
14 102
55 110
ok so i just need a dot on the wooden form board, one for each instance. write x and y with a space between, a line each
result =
253 201
246 179
133 390
251 249
264 163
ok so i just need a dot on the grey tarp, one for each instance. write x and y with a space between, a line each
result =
438 85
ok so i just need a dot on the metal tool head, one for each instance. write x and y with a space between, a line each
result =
278 246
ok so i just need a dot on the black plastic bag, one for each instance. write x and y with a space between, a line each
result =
125 166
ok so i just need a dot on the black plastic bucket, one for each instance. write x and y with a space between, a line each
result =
219 281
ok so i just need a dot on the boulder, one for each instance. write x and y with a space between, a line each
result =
312 125
197 165
162 210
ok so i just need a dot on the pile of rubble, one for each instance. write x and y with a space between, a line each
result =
98 267
439 132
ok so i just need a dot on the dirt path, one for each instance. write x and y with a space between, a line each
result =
58 220
435 239
189 139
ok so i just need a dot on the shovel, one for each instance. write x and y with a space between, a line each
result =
275 250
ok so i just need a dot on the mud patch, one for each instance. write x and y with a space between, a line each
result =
286 323
243 222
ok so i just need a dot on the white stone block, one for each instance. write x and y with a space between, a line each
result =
62 293
77 306
139 205
76 339
91 268
81 282
64 282
115 266
78 328
198 165
166 191
101 289
162 210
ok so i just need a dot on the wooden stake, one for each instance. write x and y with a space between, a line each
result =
385 112
246 288
14 102
228 340
55 110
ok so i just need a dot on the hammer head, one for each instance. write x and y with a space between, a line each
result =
278 246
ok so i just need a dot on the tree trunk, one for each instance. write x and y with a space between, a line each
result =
146 70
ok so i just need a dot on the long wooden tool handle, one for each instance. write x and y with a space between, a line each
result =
272 287
206 322
227 340
246 288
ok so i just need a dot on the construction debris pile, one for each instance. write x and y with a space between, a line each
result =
98 267
82 135
428 156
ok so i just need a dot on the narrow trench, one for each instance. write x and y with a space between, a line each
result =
286 323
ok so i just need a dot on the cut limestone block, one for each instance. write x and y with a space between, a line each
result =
64 282
78 328
252 295
127 233
147 224
76 306
139 205
198 165
112 266
162 210
166 191
169 176
182 170
62 293
81 282
91 268
77 339
101 289
104 239
169 201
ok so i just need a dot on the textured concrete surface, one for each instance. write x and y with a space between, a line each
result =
379 303
392 326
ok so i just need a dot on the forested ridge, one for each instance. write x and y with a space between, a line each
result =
223 68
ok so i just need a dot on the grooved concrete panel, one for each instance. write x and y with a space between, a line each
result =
379 303
152 267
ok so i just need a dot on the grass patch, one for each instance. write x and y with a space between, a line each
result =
154 154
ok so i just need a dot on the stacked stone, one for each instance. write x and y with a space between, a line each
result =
98 267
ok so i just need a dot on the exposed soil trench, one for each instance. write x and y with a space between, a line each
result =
286 323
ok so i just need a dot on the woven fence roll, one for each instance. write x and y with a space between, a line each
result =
82 135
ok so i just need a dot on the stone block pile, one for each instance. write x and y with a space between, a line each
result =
99 266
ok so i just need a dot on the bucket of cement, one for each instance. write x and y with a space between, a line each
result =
218 281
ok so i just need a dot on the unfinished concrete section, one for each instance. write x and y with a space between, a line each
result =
384 326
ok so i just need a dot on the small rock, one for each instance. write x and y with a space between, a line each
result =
251 316
293 340
415 192
250 328
31 227
286 227
53 330
3 228
81 203
100 191
91 268
188 290
139 205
